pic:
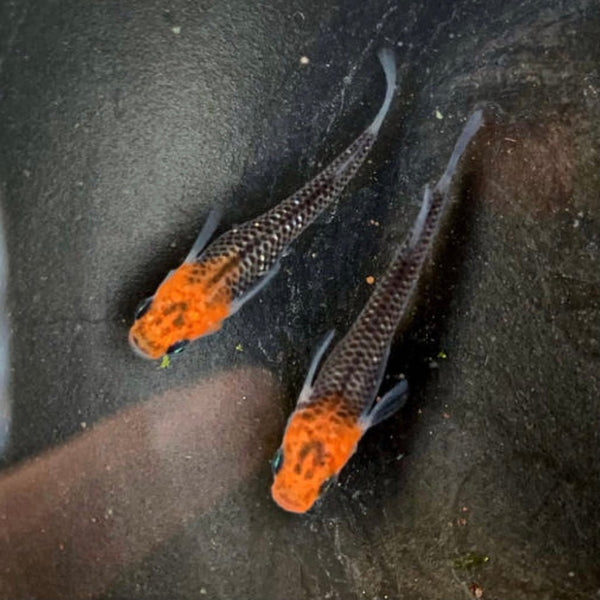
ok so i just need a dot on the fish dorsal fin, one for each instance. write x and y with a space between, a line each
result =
417 229
314 365
391 402
211 223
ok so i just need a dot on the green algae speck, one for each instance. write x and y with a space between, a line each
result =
470 560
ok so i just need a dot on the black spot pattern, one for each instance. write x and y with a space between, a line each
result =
355 368
316 452
260 242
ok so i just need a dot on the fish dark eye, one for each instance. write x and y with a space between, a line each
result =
277 461
142 308
177 347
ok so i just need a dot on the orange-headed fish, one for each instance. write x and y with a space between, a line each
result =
335 410
213 283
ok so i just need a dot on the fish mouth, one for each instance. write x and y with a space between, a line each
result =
135 346
293 505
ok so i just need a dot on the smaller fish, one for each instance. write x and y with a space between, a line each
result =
336 409
213 283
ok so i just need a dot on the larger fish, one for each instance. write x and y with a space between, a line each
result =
335 410
213 283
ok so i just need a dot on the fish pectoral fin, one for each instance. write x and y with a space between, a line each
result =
214 327
257 287
211 223
314 364
168 275
391 402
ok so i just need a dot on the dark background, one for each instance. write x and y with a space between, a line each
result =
122 123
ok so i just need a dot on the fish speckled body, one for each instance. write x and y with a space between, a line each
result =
335 411
214 282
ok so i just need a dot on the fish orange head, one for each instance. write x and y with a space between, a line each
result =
191 302
318 441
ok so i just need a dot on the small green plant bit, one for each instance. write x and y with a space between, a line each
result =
165 363
470 560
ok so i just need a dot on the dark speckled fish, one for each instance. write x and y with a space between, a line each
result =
335 410
213 283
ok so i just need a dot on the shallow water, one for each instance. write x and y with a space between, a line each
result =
122 125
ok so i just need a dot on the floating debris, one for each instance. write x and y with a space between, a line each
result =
370 280
470 560
239 347
165 363
438 114
304 60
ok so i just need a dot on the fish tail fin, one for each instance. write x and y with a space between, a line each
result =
434 200
471 127
388 62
